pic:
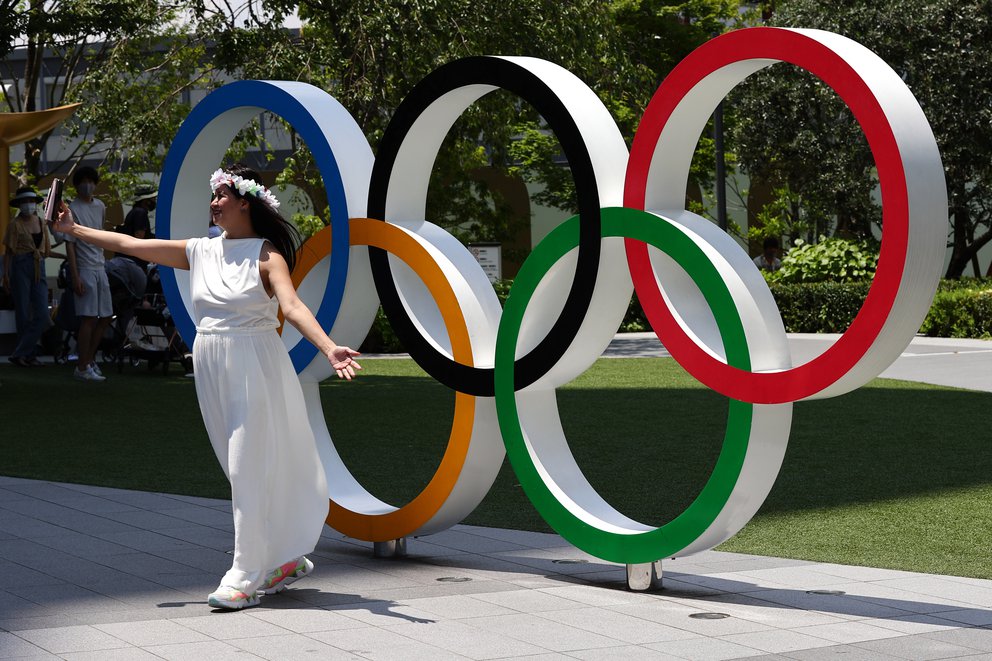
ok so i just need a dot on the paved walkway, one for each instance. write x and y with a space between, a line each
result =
91 573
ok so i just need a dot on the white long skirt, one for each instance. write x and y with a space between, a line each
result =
256 418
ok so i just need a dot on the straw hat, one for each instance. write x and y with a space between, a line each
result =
25 194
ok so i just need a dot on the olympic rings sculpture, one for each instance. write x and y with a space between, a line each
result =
702 294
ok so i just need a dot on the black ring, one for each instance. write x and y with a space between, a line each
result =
510 76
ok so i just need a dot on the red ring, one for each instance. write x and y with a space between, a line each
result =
803 51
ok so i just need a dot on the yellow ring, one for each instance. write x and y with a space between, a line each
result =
415 514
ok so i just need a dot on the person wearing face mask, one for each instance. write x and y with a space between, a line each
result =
27 245
89 276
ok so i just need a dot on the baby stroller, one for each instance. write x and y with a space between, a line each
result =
147 329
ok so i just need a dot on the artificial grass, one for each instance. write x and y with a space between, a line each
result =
895 474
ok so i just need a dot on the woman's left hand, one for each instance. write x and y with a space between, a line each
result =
342 360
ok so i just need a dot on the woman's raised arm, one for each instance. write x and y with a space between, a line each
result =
160 251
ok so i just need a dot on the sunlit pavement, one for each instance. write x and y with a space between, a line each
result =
107 574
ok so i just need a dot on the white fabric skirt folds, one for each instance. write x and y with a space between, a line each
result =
256 418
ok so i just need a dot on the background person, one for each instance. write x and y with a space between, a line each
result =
250 397
768 260
137 222
27 246
94 307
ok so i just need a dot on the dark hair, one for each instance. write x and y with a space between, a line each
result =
266 221
85 172
770 242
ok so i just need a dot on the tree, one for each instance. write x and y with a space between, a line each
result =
369 55
940 48
647 38
127 61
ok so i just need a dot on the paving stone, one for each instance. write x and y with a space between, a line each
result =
537 540
848 632
13 646
84 546
80 638
918 648
26 527
382 645
204 516
464 541
154 521
304 620
978 639
778 641
913 624
841 652
529 601
23 623
149 541
468 641
705 649
458 606
292 647
215 650
619 626
229 625
971 616
677 615
14 575
543 633
65 517
126 654
11 604
68 598
627 652
160 632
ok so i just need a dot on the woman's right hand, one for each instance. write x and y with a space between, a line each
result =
64 222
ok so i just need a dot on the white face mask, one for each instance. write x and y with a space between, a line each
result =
28 208
86 189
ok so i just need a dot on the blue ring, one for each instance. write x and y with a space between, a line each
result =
266 96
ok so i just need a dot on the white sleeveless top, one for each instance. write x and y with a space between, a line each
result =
226 286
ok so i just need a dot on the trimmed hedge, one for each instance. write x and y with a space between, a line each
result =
961 308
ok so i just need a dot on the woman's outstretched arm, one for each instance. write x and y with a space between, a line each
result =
160 251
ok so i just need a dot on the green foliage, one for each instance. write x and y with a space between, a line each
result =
964 311
834 259
794 130
960 308
129 63
819 307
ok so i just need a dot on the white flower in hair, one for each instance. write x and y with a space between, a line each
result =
244 187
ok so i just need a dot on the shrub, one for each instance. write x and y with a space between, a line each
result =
961 308
834 259
821 307
962 311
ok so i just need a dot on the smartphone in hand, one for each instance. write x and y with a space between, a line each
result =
54 201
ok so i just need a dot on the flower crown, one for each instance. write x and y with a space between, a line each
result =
244 187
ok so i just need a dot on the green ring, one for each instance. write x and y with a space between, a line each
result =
668 540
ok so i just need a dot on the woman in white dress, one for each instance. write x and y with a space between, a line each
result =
249 395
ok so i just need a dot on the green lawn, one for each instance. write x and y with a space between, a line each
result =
894 475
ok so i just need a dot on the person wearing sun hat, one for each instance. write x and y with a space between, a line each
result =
27 245
136 223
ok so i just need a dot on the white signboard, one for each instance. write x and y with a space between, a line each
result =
490 258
